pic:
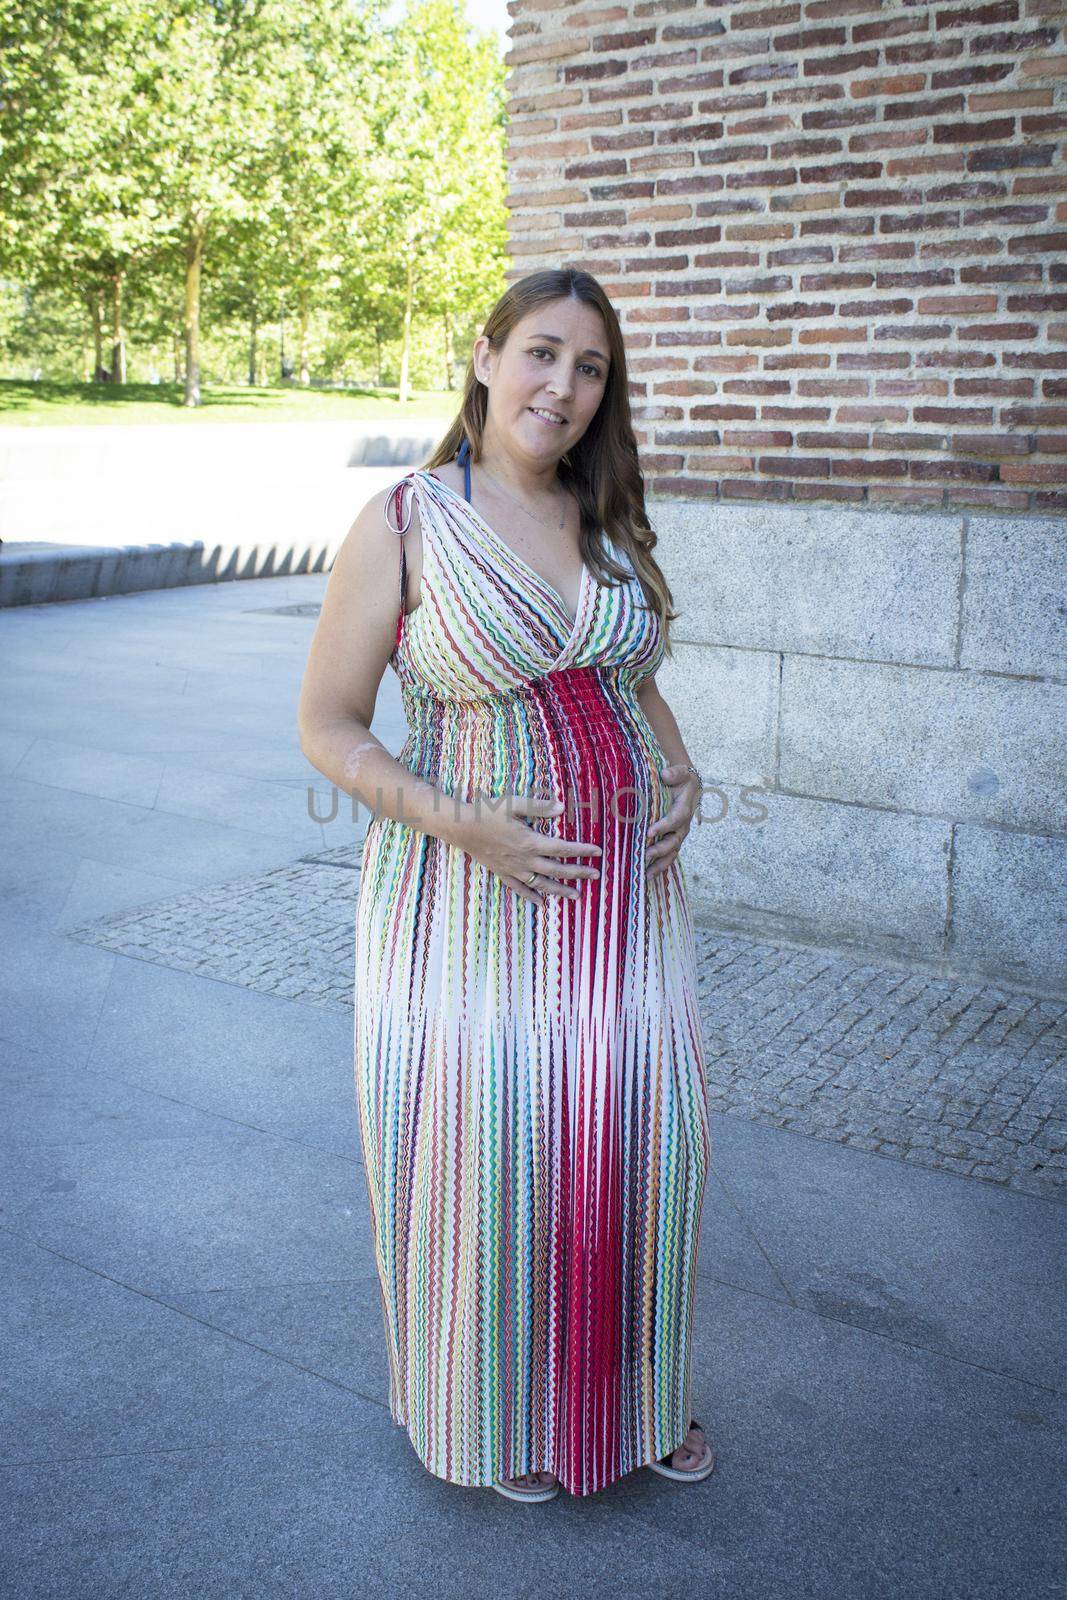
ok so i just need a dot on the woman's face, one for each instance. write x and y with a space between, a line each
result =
547 381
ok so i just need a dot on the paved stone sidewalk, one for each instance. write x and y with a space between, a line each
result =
966 1079
196 1378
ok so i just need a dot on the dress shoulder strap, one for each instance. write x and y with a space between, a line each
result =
464 458
402 524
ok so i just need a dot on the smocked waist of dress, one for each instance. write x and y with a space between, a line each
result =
600 695
582 721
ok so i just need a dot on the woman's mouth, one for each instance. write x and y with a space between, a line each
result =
552 418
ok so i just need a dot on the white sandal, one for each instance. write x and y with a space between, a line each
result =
513 1492
679 1474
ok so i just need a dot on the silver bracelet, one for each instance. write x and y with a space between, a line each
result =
695 773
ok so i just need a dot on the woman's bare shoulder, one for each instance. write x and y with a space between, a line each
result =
390 511
451 475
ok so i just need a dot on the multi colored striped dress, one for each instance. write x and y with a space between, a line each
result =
529 1077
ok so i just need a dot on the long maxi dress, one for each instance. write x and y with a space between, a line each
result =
529 1077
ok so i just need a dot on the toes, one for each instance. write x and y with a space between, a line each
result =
688 1456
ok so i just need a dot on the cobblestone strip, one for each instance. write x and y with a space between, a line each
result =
287 932
967 1079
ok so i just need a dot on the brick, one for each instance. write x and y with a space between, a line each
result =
691 133
847 117
906 55
1001 216
747 438
999 331
889 28
590 71
1033 472
1000 388
809 39
1044 67
869 467
959 76
919 222
836 232
1036 302
886 139
964 305
1053 243
800 308
841 172
954 471
976 16
1055 122
923 110
908 441
949 415
1022 272
1010 100
832 441
902 84
629 40
753 489
1010 157
795 466
992 444
1015 42
835 66
971 132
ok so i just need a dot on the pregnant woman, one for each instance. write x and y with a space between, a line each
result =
528 1059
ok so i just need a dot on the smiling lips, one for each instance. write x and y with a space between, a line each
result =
552 417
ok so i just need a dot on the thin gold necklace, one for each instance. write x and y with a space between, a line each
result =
562 516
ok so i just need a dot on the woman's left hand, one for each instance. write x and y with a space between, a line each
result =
673 827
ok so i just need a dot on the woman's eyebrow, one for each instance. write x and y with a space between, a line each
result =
554 338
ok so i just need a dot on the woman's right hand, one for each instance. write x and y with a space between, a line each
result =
495 836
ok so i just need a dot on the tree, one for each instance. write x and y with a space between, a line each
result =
435 183
76 214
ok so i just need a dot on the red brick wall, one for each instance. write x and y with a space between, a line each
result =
836 233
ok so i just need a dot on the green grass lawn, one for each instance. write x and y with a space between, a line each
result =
49 404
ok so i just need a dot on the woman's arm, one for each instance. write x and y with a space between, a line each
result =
664 726
670 830
349 653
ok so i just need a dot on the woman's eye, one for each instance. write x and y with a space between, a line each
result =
594 372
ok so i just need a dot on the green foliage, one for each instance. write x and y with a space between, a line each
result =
268 169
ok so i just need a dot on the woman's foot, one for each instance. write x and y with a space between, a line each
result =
531 1480
693 1452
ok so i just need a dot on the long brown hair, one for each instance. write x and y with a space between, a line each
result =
602 469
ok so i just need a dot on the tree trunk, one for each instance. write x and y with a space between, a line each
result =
118 337
176 344
194 262
252 328
450 355
305 372
378 344
406 348
97 314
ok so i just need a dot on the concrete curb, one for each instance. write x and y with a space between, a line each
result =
39 575
38 572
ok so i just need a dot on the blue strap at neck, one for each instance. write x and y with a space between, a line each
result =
464 456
